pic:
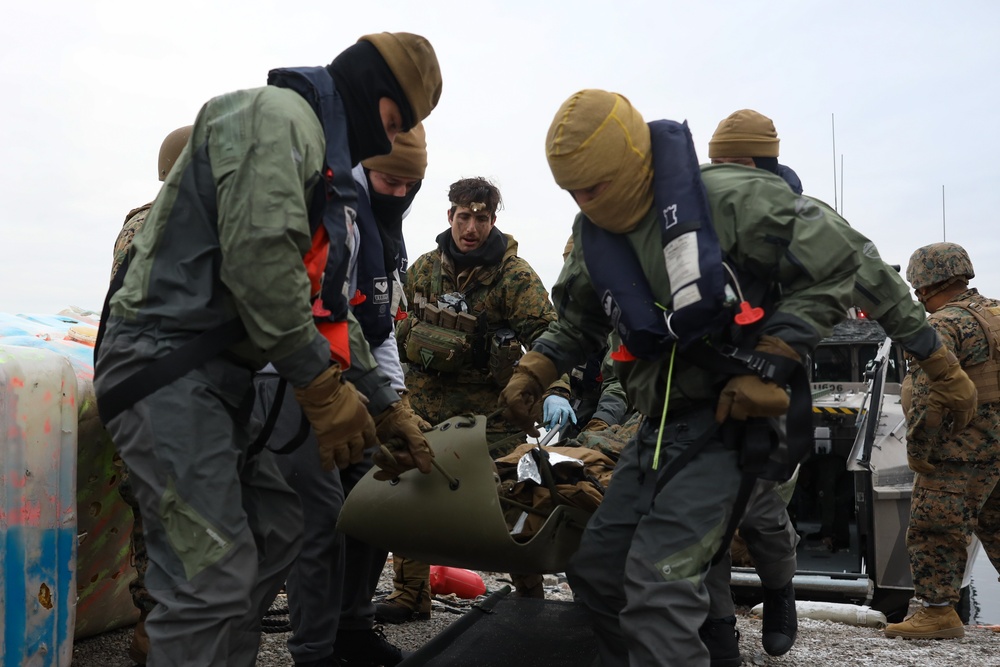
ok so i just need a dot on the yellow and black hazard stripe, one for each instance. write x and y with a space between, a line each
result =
835 411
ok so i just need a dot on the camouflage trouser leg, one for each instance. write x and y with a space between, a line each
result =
141 598
943 514
412 583
988 526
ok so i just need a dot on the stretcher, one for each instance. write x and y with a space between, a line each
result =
453 515
502 631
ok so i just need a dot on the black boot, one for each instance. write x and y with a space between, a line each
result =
781 623
366 648
722 639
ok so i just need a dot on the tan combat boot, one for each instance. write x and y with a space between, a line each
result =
411 599
929 623
139 649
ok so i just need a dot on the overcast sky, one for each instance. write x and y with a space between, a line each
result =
91 88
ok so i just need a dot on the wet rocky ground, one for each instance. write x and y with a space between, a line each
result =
820 643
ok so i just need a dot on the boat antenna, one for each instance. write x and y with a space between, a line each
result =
841 184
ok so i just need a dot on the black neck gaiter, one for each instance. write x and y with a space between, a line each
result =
491 252
389 212
363 78
767 163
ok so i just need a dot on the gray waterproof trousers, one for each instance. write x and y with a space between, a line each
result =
221 527
642 562
334 577
771 539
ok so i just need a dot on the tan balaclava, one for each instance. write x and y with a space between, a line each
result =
599 137
568 249
171 149
415 66
408 158
744 133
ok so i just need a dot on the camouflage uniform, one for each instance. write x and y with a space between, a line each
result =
959 497
508 294
133 222
141 598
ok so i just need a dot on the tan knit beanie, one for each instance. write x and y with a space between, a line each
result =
599 137
408 158
744 133
415 65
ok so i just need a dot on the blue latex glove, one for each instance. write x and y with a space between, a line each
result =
557 412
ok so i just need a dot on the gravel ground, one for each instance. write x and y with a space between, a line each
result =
819 643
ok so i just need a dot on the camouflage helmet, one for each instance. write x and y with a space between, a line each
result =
171 149
938 263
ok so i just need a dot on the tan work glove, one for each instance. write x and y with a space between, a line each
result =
532 374
746 396
906 394
404 398
951 392
339 419
595 425
404 447
919 465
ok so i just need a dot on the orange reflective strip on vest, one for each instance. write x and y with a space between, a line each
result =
340 342
315 259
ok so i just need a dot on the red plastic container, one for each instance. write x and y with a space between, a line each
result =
463 583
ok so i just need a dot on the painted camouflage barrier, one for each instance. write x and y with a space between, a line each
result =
103 570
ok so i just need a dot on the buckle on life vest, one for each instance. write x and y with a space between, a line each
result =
622 354
755 362
358 298
748 315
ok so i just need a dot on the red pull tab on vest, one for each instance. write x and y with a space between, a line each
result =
748 315
358 298
319 310
401 315
622 354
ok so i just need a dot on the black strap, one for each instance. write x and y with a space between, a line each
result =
755 438
167 369
756 448
272 418
774 368
297 439
754 455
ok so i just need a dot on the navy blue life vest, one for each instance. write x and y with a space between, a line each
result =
691 253
372 306
336 203
791 178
